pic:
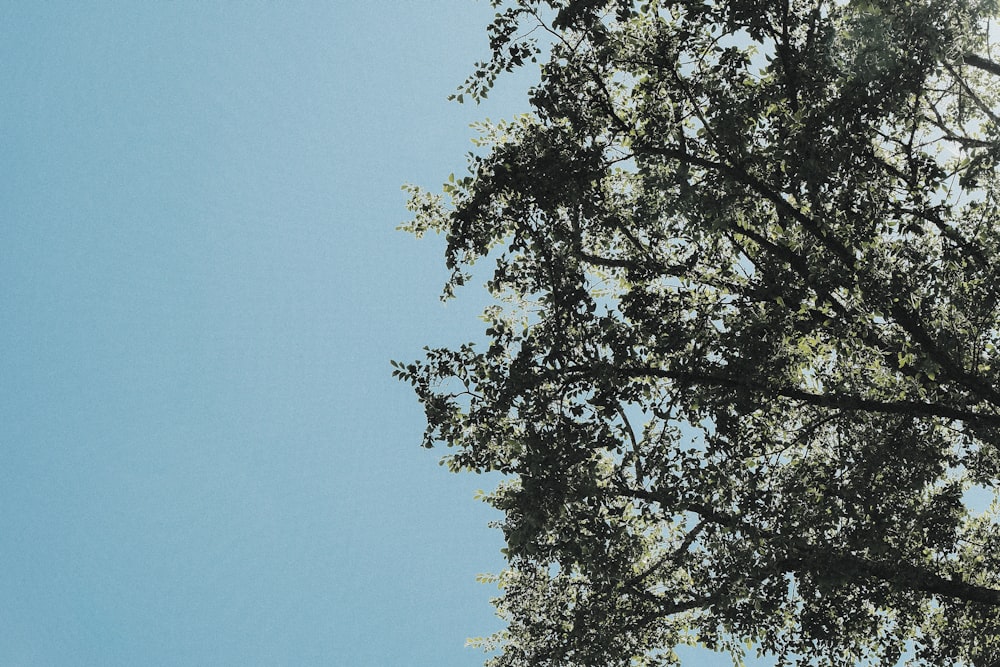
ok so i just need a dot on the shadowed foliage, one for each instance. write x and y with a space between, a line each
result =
741 368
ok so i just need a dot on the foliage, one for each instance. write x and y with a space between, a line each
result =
742 365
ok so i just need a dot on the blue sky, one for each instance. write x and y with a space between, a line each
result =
203 457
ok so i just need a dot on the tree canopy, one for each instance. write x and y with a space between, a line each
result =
741 371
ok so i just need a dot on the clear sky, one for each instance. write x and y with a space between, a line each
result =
203 457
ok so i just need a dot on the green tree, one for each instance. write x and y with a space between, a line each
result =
742 363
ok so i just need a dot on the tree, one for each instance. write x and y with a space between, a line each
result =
742 363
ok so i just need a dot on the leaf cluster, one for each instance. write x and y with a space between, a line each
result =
743 365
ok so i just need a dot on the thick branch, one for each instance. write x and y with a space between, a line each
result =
802 556
846 402
982 63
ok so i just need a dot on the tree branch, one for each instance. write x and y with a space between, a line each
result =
846 402
982 63
803 556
